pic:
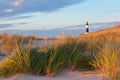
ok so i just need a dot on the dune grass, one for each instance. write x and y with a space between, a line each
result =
107 61
58 56
8 42
17 62
107 57
96 51
67 53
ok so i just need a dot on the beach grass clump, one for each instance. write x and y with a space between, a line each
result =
55 62
75 56
38 60
74 53
60 55
46 63
107 61
17 62
65 52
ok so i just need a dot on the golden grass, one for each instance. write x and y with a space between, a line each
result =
97 50
105 47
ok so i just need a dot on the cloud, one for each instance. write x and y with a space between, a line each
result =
5 25
17 3
10 25
15 18
21 23
9 10
15 7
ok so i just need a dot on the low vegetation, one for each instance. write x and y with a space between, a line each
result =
95 51
107 61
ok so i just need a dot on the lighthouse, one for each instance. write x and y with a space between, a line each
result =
87 29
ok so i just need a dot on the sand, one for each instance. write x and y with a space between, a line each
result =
64 75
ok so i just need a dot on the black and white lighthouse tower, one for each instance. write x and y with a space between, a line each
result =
87 28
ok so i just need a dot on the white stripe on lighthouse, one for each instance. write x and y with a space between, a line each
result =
86 26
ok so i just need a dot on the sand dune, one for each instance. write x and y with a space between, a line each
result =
65 75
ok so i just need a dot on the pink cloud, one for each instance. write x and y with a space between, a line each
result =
17 3
9 10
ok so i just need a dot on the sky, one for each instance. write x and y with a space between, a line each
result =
48 14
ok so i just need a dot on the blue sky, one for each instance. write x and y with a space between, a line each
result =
47 14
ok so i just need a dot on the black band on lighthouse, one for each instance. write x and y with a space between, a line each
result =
87 30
